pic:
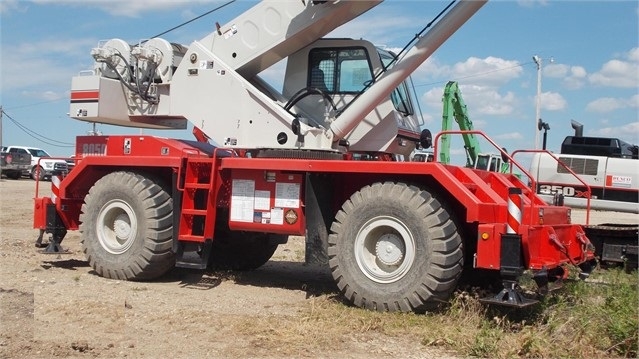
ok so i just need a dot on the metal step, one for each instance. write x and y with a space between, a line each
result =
193 255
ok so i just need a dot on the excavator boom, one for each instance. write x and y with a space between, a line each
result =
455 110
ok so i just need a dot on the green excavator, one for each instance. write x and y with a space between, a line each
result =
455 110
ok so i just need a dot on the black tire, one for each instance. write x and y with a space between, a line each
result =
37 173
243 251
127 227
394 247
13 175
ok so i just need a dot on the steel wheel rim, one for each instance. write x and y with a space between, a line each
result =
116 227
384 249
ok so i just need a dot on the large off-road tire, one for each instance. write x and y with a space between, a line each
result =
127 227
243 251
395 247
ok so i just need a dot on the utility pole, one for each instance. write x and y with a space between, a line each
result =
537 61
1 113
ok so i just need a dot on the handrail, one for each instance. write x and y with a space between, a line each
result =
477 132
37 179
534 183
505 154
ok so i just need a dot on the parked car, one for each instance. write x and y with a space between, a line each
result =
42 165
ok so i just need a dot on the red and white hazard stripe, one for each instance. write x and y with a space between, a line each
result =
56 178
514 210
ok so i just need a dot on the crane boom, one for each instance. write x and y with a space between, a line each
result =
419 53
271 31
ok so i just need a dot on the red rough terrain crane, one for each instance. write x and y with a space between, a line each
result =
317 159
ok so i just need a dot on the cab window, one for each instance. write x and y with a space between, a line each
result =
399 96
339 71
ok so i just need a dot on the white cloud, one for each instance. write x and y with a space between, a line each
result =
127 8
572 77
490 71
532 3
479 100
491 102
629 131
46 95
633 55
578 72
609 104
556 70
552 101
43 66
8 5
363 28
510 136
622 72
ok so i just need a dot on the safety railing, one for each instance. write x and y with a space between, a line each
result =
511 161
533 183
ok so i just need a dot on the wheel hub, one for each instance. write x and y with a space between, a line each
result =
390 250
384 249
121 226
117 226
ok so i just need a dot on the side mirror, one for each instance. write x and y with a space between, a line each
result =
504 158
426 139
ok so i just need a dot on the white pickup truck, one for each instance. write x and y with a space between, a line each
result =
42 165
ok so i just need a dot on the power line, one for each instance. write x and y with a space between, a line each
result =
37 136
476 75
38 103
193 19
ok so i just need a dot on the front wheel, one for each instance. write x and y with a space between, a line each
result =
395 247
127 227
37 173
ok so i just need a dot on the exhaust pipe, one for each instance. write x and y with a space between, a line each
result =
579 128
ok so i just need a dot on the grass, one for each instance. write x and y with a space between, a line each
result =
593 319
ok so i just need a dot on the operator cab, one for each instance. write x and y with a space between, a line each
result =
333 72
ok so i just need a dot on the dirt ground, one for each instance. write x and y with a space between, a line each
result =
56 306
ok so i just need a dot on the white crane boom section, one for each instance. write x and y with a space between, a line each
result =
405 66
272 30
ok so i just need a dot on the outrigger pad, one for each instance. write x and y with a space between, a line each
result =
510 296
54 248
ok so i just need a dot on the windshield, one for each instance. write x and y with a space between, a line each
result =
399 96
36 152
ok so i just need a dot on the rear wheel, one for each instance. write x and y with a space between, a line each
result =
239 250
127 227
394 247
13 175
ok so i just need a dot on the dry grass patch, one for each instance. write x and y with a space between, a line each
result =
584 319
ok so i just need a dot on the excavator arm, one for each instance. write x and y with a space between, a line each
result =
455 109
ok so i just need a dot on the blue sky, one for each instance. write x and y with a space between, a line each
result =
589 52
